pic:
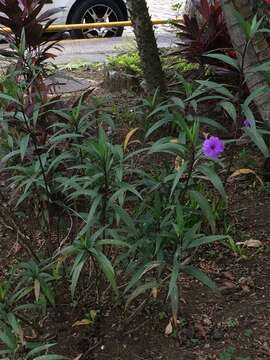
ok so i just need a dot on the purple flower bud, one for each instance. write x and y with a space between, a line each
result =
246 123
213 147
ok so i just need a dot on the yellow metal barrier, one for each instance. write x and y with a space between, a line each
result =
68 27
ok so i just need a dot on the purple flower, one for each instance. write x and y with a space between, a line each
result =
213 147
246 123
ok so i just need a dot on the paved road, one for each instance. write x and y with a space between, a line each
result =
96 50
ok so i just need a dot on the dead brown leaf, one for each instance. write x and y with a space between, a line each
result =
169 329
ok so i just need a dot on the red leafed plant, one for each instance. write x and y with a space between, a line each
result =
199 36
27 16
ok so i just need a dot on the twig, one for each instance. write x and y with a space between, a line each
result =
129 319
136 328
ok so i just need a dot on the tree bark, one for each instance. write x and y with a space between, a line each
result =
147 45
257 52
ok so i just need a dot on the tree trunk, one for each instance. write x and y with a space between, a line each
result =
147 45
257 52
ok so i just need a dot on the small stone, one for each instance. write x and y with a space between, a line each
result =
217 334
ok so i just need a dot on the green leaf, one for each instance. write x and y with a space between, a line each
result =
24 145
175 149
226 59
13 323
214 178
229 108
62 137
10 155
212 123
178 102
76 271
125 217
39 349
255 25
112 242
177 178
174 296
205 207
9 99
217 87
206 240
264 67
8 337
51 357
199 275
141 290
254 94
139 274
245 25
174 276
90 218
158 109
47 291
107 268
258 140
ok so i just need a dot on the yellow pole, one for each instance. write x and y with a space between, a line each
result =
67 27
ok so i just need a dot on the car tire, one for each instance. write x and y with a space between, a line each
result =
92 11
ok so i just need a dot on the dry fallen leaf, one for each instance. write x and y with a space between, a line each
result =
129 136
227 288
78 357
253 243
169 329
240 172
228 275
83 322
154 293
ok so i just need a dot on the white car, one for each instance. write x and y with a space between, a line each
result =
91 11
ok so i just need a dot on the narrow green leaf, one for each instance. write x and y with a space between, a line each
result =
112 242
107 268
141 290
62 137
8 338
90 218
38 350
177 178
205 207
47 291
200 275
214 178
157 125
51 357
139 274
75 276
229 108
224 58
217 87
24 145
206 240
258 140
125 217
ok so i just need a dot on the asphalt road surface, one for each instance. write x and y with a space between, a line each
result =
96 50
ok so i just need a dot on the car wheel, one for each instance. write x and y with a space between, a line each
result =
92 11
